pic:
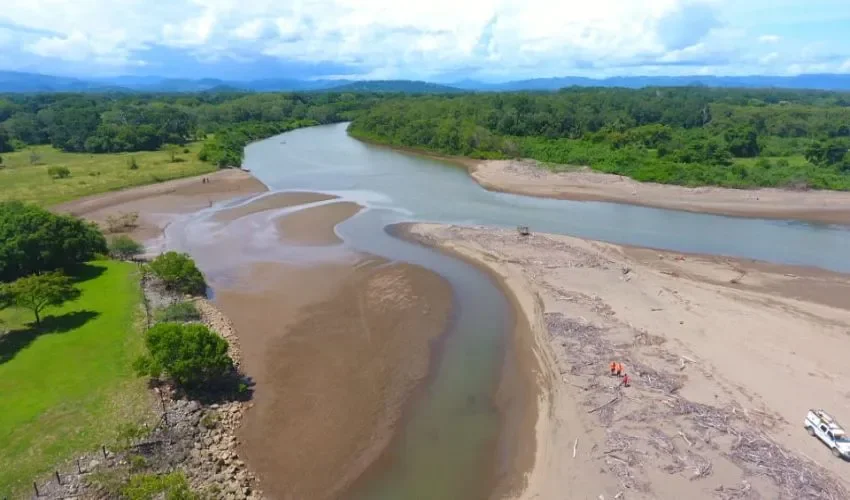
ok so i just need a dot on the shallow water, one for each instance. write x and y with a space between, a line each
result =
415 188
446 447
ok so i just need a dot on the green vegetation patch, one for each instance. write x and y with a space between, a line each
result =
67 385
25 174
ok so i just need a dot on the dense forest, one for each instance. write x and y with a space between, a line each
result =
688 135
685 135
112 123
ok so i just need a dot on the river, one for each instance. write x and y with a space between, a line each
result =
447 446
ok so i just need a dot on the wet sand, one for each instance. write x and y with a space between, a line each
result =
335 348
315 226
158 204
271 202
583 184
335 351
726 357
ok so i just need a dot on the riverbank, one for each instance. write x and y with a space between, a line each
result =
334 340
726 356
159 204
582 184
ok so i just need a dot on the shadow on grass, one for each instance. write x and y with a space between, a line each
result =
84 272
14 341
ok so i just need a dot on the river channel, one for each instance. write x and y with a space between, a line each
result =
448 443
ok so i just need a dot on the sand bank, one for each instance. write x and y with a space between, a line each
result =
726 357
524 177
335 351
158 204
271 202
315 226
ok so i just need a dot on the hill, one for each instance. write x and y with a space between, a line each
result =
403 86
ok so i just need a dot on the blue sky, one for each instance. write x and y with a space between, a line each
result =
439 40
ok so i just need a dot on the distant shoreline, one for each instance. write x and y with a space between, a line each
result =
524 177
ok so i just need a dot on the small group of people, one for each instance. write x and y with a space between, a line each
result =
618 370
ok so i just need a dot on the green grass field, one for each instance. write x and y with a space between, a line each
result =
66 387
20 179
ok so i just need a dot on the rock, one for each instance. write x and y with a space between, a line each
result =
193 406
93 465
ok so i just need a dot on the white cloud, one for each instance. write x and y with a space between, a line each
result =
514 38
769 58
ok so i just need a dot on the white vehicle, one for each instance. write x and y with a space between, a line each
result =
819 423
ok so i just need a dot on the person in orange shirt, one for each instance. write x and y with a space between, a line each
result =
613 368
619 369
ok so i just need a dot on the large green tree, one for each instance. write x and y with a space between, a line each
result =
34 240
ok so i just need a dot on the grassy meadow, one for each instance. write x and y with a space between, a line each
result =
24 174
65 387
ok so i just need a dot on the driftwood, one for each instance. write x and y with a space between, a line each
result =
616 398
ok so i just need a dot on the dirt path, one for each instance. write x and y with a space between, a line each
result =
726 357
524 177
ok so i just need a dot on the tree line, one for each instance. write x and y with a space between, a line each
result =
690 135
111 123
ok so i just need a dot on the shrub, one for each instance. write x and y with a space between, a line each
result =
123 247
125 221
189 354
58 172
180 312
129 433
179 273
131 163
35 158
173 486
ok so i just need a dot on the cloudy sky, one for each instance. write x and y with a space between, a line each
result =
439 40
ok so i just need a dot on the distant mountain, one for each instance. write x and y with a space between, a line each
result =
11 81
406 86
810 81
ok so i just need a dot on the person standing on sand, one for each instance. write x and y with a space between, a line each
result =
626 380
613 368
619 369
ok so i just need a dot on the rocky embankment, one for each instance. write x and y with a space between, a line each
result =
196 438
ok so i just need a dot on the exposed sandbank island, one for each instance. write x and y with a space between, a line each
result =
525 177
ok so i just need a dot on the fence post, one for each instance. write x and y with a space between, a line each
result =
103 448
58 479
35 487
79 470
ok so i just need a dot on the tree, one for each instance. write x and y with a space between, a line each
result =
123 247
131 163
34 240
190 354
179 273
39 291
5 143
